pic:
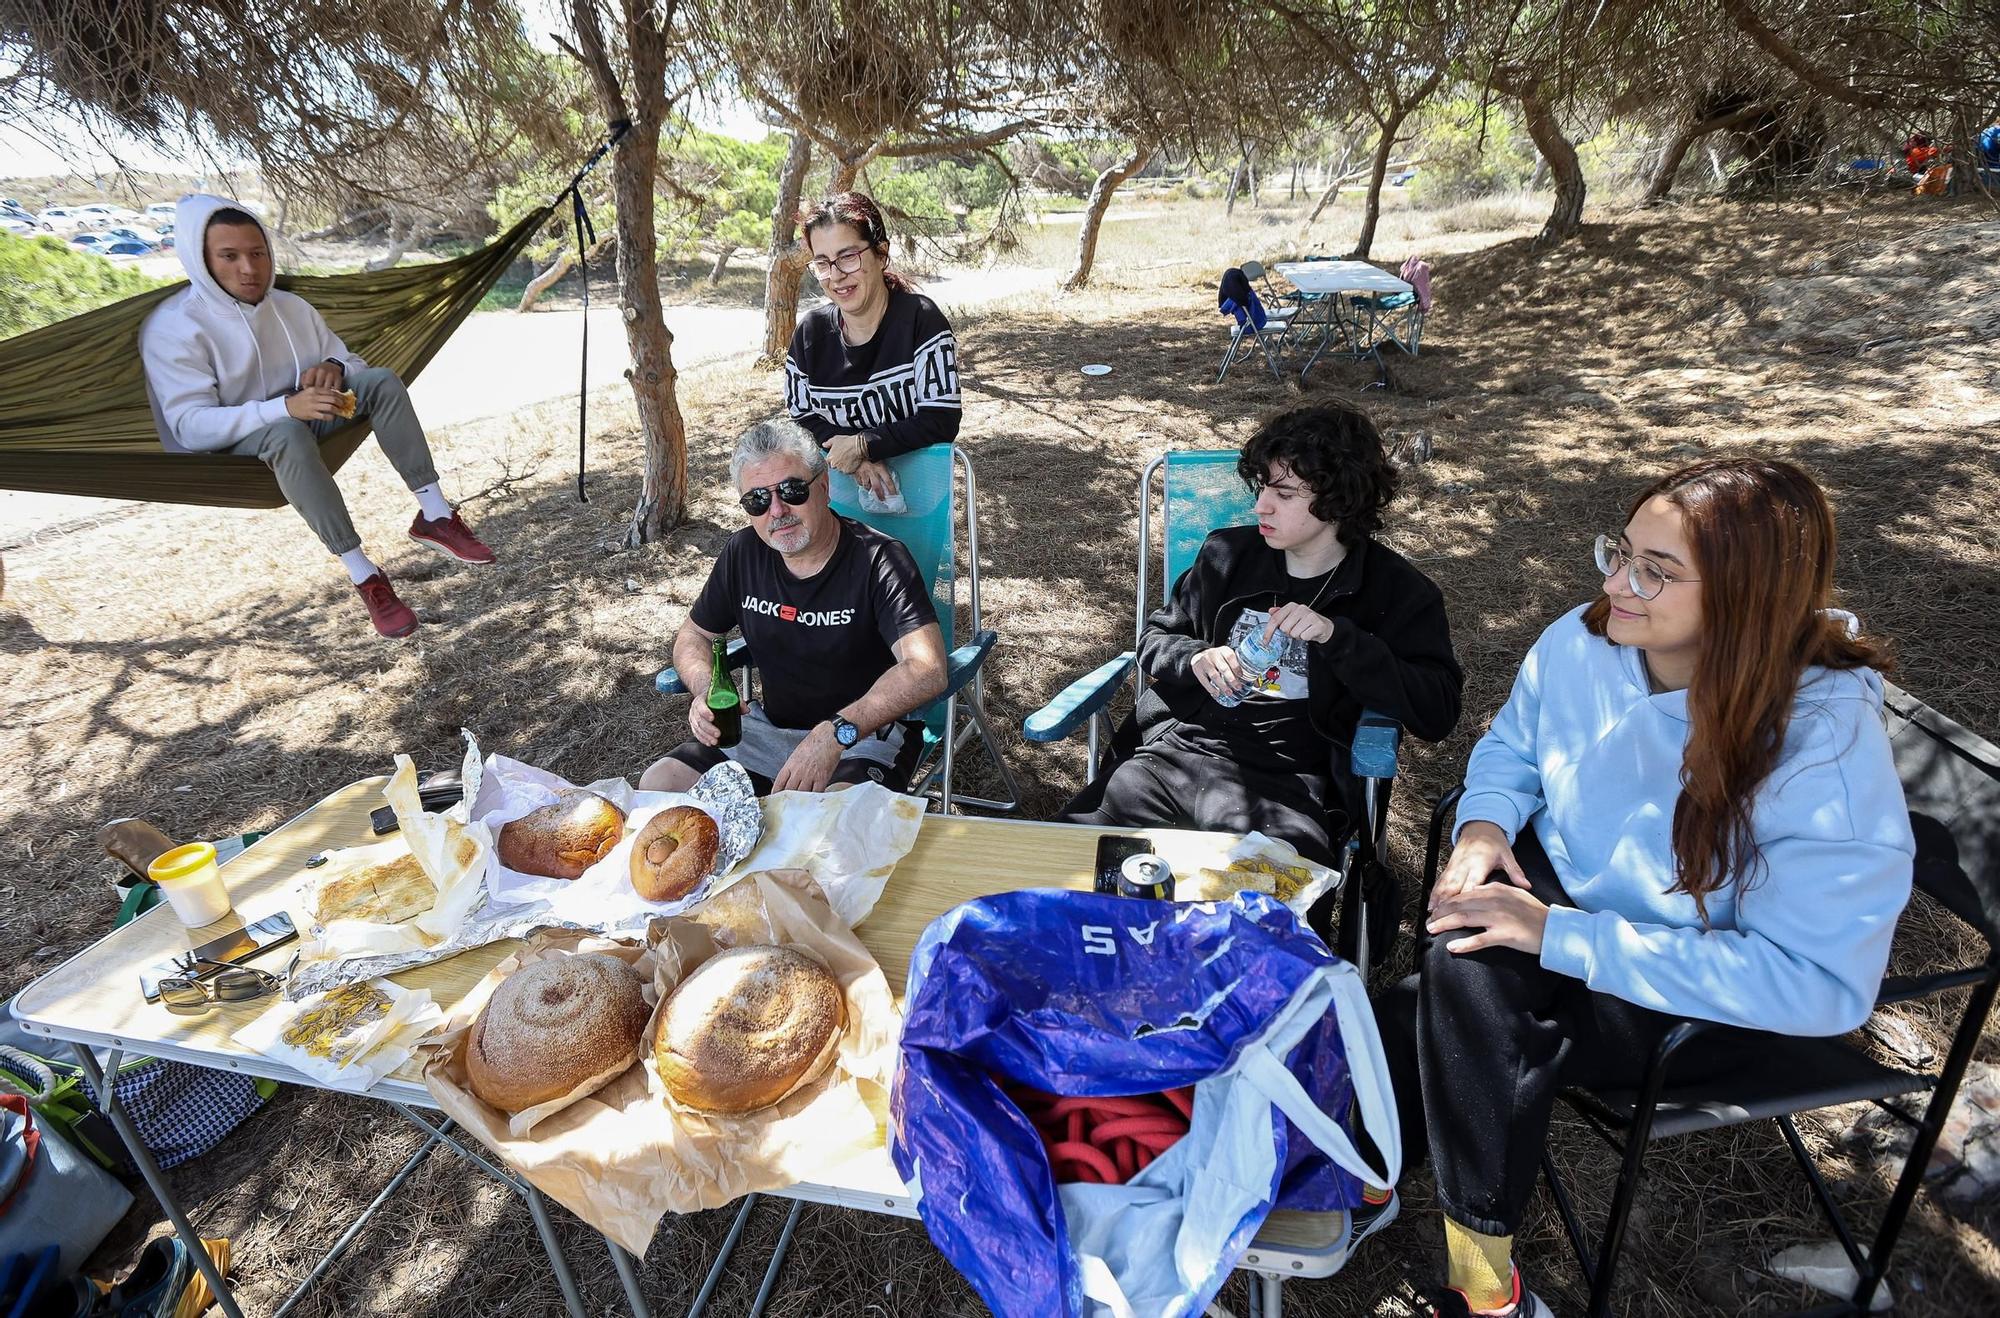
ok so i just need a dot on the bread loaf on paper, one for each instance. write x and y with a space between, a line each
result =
562 840
553 1026
673 853
748 1027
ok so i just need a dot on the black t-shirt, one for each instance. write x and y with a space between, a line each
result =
1270 729
821 642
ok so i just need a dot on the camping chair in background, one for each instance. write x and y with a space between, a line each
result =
1951 782
1397 317
1201 492
1257 326
927 479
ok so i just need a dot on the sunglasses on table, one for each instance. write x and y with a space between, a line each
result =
187 995
757 499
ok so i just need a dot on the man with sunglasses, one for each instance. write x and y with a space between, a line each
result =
840 623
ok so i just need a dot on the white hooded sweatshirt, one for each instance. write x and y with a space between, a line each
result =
218 369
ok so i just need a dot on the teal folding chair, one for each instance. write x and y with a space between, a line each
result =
1200 492
930 530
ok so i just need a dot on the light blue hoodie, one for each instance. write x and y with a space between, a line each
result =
1586 752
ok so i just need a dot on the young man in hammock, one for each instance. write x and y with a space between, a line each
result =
234 365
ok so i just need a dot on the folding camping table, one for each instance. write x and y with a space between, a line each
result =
93 1000
1331 284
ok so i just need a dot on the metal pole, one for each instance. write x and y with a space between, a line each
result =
442 1132
354 1227
777 1258
628 1277
135 1147
721 1258
539 1211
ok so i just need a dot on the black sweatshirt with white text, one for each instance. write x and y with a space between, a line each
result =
898 391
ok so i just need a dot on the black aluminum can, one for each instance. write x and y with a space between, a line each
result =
1146 875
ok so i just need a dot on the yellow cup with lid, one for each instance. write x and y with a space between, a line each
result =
192 885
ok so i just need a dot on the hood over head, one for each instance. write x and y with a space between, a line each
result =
191 216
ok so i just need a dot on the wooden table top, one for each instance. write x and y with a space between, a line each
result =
94 997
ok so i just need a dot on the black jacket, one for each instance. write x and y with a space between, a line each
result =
1390 650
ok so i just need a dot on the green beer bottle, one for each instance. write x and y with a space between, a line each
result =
724 705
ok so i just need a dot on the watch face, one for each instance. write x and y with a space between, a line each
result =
845 733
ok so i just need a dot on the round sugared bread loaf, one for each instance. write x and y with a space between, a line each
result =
673 853
748 1027
562 840
554 1025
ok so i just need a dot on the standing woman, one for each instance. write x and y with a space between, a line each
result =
1686 808
874 372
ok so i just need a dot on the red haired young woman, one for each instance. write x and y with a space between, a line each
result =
874 372
1686 808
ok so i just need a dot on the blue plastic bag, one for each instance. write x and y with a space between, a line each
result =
1080 994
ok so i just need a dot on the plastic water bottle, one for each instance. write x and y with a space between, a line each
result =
1258 656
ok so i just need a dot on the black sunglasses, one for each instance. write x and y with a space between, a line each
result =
757 499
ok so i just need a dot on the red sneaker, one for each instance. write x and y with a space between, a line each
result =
390 615
452 535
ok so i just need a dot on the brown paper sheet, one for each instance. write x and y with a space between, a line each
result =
624 1157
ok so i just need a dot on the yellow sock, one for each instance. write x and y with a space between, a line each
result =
1479 1267
1376 1195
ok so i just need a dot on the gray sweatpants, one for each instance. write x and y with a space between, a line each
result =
291 450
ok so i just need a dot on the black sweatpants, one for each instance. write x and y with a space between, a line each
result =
1168 783
1488 1038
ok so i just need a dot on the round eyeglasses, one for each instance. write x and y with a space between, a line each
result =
1646 578
845 262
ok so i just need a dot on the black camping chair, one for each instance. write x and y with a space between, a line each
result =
1951 781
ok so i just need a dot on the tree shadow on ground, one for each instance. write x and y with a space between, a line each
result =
220 654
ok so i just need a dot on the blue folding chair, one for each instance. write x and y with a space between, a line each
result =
1200 492
929 529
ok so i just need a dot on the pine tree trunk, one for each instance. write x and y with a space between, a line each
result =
663 484
1235 182
556 271
1093 214
1677 148
1372 212
1567 215
781 285
1332 188
634 167
788 262
722 255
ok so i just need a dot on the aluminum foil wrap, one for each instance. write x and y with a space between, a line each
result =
613 908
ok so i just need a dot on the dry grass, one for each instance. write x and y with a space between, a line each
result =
221 654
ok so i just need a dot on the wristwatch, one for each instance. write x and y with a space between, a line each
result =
845 733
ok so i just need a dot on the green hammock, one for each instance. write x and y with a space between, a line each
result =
74 417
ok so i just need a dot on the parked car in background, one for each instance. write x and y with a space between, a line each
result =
131 234
102 215
123 247
58 217
20 227
90 240
159 210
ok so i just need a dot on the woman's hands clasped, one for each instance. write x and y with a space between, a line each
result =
1466 897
